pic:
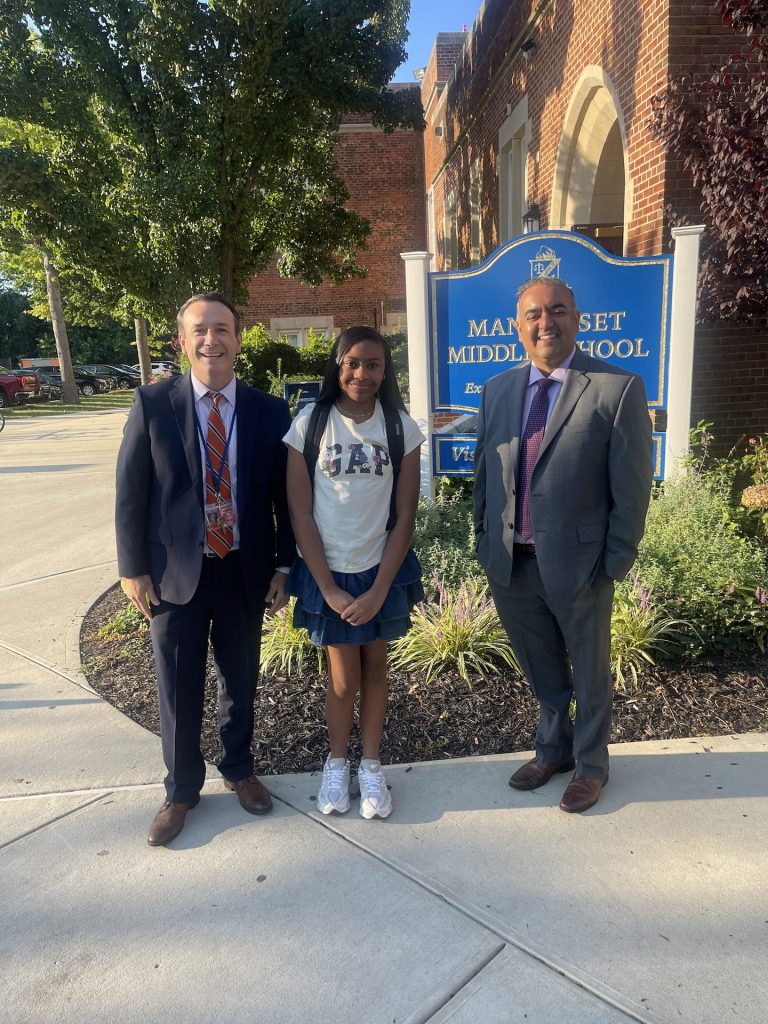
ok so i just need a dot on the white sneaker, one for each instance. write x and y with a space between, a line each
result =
375 801
334 789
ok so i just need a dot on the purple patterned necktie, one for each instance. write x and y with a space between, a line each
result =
529 452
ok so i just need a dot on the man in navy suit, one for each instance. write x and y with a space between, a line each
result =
204 544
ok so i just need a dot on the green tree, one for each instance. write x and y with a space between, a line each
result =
160 147
21 333
716 122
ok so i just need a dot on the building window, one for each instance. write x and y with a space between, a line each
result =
294 330
450 233
513 151
475 213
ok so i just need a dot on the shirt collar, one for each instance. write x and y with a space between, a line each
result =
559 374
201 390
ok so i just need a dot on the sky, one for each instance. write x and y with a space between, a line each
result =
428 17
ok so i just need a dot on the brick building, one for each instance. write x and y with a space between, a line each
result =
384 175
545 103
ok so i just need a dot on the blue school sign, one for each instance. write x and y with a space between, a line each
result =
625 318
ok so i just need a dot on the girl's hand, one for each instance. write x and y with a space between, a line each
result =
363 608
338 600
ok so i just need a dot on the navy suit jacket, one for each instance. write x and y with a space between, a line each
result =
159 508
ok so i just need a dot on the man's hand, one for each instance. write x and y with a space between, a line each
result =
141 593
276 597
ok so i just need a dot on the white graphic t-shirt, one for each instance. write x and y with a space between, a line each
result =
352 484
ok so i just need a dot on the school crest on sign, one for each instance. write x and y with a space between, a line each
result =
545 264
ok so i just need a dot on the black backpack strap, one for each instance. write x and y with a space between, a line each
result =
318 419
396 445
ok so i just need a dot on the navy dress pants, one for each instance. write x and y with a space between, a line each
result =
218 610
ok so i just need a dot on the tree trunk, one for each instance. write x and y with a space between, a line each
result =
142 347
56 308
227 271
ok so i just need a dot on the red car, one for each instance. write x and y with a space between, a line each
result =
16 388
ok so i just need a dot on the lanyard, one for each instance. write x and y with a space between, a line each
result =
216 477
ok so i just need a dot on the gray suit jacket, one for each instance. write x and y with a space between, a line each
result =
591 483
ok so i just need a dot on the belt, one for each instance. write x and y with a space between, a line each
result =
212 554
524 549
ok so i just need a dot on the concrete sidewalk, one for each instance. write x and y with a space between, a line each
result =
472 903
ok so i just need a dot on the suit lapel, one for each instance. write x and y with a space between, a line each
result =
182 399
247 432
519 382
575 383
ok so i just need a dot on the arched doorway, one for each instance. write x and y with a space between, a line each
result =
589 192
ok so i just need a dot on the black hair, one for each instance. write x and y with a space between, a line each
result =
388 393
208 297
545 280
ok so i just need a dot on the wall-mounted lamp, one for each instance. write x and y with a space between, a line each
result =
528 48
532 220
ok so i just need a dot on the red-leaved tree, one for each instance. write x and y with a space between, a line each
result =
717 125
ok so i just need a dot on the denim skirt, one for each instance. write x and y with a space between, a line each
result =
325 626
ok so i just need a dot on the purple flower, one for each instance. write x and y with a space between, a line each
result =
642 593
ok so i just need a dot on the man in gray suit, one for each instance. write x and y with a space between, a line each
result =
563 475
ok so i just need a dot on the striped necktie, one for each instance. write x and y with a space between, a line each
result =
218 537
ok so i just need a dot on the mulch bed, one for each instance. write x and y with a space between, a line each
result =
442 719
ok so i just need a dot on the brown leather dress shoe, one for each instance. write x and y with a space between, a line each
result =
252 795
535 773
168 822
582 793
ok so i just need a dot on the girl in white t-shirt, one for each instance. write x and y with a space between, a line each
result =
355 581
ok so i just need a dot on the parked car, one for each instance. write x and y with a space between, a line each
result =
86 383
49 386
16 388
110 379
161 366
45 389
125 378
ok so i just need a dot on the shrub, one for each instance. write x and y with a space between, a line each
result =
398 342
444 539
260 355
284 649
754 497
459 630
701 568
741 476
315 354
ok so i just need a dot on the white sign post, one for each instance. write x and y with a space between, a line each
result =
681 341
417 304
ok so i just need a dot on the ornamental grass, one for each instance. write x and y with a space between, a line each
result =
459 630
